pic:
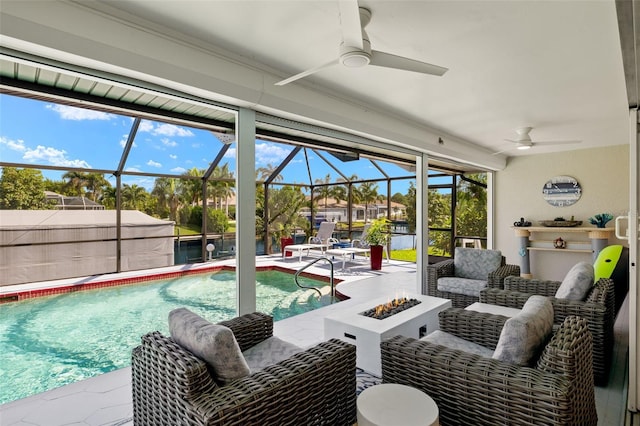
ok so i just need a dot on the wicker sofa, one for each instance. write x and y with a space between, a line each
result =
171 386
473 390
598 308
469 261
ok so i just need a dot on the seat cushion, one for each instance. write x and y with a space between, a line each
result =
464 286
213 343
523 336
268 352
454 342
475 263
577 282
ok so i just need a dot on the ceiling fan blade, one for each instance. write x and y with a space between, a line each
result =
556 142
388 60
350 23
307 72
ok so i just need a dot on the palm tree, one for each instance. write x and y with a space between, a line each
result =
324 191
192 188
166 192
133 197
265 172
76 182
96 184
368 193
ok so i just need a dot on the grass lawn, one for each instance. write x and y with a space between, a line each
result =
183 230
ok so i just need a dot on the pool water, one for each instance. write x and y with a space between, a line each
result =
56 340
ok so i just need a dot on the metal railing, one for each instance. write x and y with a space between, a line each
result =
313 262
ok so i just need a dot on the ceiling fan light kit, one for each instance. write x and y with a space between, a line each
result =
355 50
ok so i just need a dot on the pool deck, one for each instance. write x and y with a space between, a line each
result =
105 400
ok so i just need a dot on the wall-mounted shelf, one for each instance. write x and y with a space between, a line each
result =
559 250
598 238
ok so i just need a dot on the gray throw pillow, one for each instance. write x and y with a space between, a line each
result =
577 282
523 335
214 343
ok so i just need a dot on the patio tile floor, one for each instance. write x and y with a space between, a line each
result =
105 400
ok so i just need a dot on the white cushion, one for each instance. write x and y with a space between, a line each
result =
268 352
577 282
523 335
213 343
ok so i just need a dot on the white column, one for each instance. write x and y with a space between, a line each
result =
246 211
634 257
422 222
491 217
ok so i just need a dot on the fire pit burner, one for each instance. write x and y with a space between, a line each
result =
385 310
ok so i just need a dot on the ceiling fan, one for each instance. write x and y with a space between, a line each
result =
524 141
356 52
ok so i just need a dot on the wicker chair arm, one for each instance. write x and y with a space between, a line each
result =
481 328
531 286
441 269
250 329
322 379
508 298
496 278
603 292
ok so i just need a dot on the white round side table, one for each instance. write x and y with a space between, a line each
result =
391 404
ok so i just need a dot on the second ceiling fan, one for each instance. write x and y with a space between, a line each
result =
355 50
524 141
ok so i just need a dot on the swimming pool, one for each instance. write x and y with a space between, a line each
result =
52 341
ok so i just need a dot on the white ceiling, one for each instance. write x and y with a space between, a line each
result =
553 65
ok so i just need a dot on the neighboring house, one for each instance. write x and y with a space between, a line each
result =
65 202
337 211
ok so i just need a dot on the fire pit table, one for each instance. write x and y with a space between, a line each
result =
366 332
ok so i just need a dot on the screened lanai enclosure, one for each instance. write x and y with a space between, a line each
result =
97 145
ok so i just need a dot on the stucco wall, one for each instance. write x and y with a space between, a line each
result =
603 174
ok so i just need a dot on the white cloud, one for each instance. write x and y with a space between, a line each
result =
173 156
124 139
14 145
53 156
164 129
267 153
178 170
153 163
72 113
169 142
172 130
231 153
132 169
145 126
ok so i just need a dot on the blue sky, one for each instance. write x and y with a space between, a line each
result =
37 132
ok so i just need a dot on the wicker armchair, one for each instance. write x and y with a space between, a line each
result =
598 308
447 268
473 390
173 387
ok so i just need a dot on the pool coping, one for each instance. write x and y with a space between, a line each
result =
19 292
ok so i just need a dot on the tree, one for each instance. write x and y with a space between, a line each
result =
22 189
134 197
96 185
471 210
367 194
324 191
165 190
76 183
